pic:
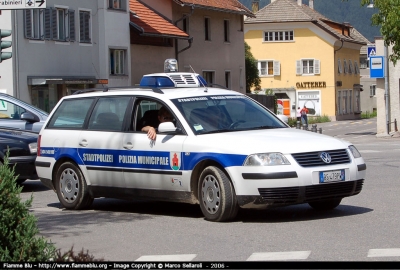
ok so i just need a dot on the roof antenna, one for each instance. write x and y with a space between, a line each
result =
201 82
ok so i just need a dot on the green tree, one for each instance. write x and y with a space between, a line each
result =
252 77
388 17
18 229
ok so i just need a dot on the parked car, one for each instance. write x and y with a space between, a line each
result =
22 147
283 117
19 114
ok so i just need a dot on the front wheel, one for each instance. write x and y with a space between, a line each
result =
71 187
325 204
216 195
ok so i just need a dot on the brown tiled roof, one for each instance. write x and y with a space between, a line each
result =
281 11
149 22
232 6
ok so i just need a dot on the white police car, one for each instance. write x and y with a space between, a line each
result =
222 150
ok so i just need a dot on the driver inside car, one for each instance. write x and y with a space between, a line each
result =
163 116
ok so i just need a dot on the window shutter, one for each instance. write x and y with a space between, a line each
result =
87 27
345 66
317 67
47 23
356 70
339 66
71 17
298 67
123 4
28 23
277 68
54 24
351 70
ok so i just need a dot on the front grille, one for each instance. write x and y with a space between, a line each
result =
293 195
312 159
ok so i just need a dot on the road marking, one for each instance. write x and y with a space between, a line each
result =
279 256
167 258
388 252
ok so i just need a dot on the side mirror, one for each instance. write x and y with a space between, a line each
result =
167 127
29 117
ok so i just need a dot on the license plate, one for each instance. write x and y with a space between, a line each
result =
329 176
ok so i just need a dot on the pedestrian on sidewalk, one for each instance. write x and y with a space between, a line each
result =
298 115
303 113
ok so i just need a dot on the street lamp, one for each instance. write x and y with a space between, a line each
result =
386 70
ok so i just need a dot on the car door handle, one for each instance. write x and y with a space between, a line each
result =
128 145
83 143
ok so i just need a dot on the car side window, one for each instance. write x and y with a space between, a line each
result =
71 114
9 110
147 114
108 114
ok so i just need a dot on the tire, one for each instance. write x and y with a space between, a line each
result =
326 204
20 181
216 195
71 187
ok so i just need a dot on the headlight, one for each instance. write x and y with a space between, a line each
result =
33 148
266 159
354 151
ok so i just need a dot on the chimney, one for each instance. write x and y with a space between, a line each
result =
299 2
311 4
255 6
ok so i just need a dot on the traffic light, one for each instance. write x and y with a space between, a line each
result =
4 45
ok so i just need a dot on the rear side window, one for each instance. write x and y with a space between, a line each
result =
71 114
109 113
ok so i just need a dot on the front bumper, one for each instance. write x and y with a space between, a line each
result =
24 167
274 197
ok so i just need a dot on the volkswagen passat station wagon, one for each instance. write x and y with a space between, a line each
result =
213 147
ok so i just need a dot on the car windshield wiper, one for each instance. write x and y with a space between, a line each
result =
265 127
220 131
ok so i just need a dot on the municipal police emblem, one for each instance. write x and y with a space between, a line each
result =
175 160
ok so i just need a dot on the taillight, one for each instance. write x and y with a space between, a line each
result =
38 145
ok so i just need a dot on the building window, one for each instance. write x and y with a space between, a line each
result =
307 67
372 90
116 4
209 76
278 36
266 68
185 24
269 68
228 79
207 29
226 31
350 103
357 100
117 62
34 23
84 27
59 24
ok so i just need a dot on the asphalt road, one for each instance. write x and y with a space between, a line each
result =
362 228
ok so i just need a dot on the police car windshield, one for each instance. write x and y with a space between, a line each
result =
225 113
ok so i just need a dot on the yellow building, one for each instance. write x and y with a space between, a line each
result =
306 59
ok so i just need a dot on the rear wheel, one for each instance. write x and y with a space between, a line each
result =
325 204
216 195
71 187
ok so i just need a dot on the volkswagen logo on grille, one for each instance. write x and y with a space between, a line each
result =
325 157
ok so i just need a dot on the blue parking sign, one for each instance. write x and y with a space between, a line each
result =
376 67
